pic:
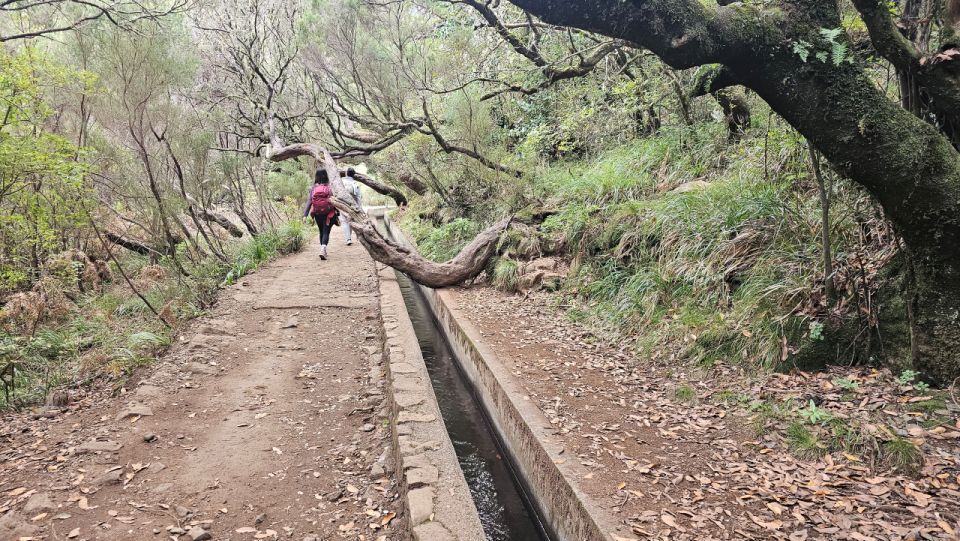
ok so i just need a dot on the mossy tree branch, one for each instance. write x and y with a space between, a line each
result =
908 165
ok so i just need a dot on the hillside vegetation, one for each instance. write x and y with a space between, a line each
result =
774 193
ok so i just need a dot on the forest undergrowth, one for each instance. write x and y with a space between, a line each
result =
689 247
688 239
70 334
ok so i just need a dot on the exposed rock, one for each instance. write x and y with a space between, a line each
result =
161 488
13 526
432 531
413 417
420 502
377 471
95 446
39 503
150 438
58 399
416 461
402 368
110 477
198 534
200 368
426 475
542 264
368 427
134 410
407 383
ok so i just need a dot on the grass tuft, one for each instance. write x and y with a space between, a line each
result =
902 455
505 275
804 443
685 393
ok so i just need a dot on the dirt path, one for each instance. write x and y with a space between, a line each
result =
676 452
262 422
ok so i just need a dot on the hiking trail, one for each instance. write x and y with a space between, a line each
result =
260 422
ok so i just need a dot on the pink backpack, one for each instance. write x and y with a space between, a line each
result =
320 203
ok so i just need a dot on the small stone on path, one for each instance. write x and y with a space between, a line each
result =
39 503
99 446
198 534
134 410
199 368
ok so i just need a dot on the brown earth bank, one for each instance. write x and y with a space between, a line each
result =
263 421
682 452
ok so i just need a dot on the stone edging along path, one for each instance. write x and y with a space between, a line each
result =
438 501
549 475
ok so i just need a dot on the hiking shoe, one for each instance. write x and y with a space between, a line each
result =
323 252
349 243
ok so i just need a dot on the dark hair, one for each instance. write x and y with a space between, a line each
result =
321 177
350 171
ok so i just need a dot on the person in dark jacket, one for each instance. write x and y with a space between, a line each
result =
320 206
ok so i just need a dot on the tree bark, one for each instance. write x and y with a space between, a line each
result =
824 190
131 244
908 165
735 111
930 84
220 220
379 187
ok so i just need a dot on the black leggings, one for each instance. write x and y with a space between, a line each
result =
324 229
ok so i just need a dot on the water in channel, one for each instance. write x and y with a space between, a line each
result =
504 511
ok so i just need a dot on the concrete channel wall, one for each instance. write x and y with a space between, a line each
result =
550 477
438 502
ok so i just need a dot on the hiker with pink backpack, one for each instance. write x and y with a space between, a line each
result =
320 207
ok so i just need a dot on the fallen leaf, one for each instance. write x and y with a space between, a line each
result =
772 525
672 522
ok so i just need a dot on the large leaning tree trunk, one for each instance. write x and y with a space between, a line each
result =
469 263
907 164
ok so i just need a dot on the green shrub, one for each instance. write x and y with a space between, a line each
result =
505 277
